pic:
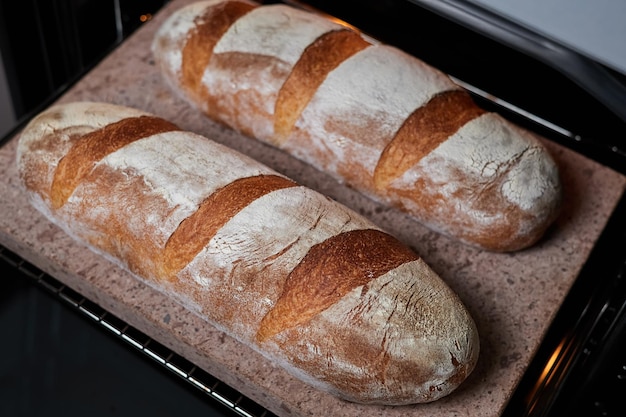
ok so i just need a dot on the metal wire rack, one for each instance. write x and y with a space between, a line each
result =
213 389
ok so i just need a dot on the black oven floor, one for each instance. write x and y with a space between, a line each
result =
56 363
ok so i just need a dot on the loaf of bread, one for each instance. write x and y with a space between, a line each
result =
371 116
305 281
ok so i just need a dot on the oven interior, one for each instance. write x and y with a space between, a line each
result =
580 365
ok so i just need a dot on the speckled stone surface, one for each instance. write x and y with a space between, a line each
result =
512 297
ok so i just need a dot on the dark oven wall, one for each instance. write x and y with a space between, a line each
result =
45 45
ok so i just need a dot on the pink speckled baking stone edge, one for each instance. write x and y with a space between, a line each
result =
512 297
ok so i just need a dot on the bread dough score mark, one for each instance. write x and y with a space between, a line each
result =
422 132
317 60
198 48
94 146
329 271
195 232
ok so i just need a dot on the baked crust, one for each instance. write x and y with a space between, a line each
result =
374 118
305 281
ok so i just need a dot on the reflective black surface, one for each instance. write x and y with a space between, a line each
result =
55 361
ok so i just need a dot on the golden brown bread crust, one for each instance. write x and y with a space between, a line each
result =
199 47
308 283
138 250
374 118
82 157
329 271
195 232
317 60
370 351
425 129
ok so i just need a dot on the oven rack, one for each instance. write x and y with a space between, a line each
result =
580 366
213 390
